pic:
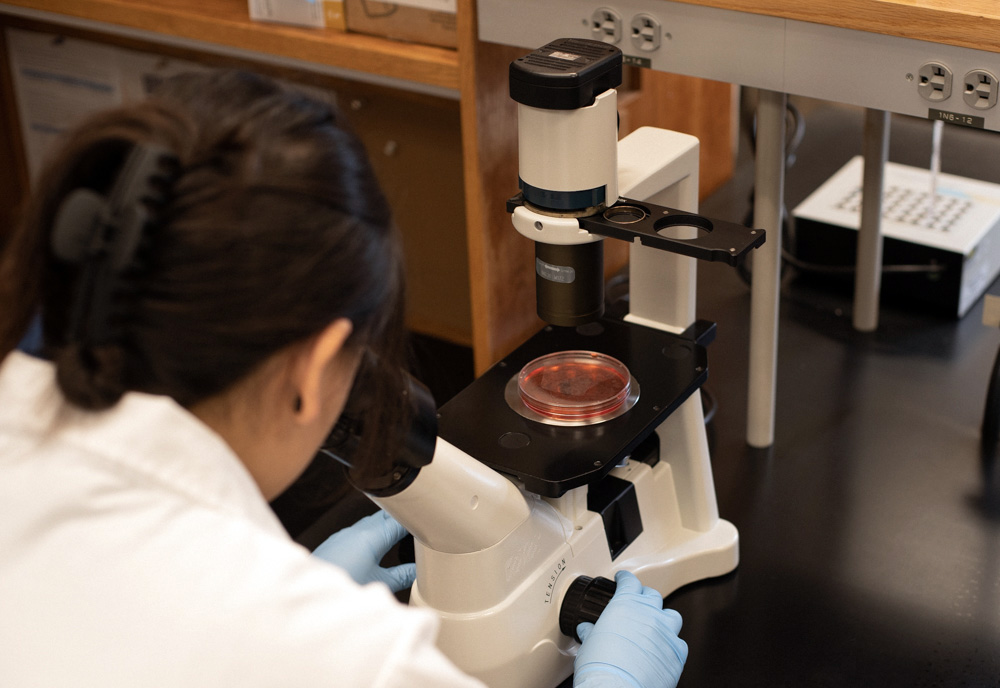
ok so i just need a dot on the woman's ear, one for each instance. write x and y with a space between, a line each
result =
310 366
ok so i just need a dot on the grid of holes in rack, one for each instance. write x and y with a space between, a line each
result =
915 208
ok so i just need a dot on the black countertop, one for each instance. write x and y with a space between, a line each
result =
869 537
870 550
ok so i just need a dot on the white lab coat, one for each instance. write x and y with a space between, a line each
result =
136 550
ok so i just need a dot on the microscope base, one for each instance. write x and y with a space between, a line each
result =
499 608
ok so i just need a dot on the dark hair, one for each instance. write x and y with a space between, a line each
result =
273 227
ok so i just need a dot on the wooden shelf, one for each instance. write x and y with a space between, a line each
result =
226 23
967 23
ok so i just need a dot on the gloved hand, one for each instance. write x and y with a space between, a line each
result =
359 549
634 642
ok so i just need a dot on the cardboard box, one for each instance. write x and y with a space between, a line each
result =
421 21
314 13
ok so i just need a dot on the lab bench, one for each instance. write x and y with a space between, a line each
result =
870 551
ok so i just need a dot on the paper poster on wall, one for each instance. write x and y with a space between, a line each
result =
58 81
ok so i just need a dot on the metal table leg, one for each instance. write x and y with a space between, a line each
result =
868 275
769 190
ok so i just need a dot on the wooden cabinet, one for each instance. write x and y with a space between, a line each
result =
437 122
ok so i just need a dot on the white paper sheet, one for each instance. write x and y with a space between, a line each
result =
58 81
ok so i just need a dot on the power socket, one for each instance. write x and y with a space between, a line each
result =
980 89
646 32
606 25
934 82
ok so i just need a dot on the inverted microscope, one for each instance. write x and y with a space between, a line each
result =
584 451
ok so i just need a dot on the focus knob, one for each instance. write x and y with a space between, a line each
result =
584 601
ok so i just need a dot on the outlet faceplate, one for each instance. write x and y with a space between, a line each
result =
646 32
606 25
980 89
934 82
871 70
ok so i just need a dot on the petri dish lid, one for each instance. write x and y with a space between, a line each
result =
574 385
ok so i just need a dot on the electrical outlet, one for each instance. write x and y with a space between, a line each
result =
980 89
606 25
934 82
646 32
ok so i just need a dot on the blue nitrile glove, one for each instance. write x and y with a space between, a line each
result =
359 549
634 643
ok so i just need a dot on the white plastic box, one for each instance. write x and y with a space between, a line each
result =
959 231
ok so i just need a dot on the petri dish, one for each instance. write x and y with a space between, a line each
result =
574 385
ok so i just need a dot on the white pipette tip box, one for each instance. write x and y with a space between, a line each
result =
959 232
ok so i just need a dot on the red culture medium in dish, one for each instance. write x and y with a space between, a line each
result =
573 385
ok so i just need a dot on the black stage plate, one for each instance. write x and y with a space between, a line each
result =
547 459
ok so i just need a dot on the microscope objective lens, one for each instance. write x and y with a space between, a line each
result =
574 385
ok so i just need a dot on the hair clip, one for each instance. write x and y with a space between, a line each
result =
102 233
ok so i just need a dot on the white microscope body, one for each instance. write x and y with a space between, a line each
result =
494 559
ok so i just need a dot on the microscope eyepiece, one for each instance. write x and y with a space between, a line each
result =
418 440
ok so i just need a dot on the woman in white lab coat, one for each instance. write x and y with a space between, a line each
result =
209 267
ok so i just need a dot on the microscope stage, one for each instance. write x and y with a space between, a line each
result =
551 459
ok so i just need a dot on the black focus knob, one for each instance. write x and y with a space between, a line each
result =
584 601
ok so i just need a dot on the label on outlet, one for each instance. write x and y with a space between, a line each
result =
957 118
637 61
